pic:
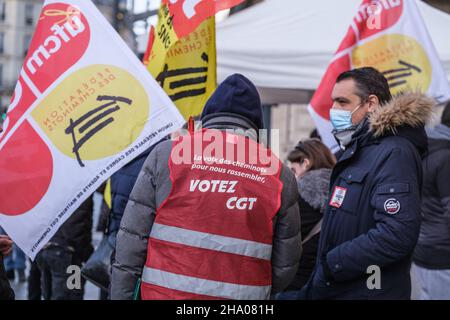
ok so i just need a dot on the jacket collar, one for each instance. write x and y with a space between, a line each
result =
361 138
231 122
405 110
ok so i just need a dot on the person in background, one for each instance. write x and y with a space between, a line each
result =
311 162
71 245
6 293
15 262
315 134
120 186
122 183
103 220
2 117
34 282
432 253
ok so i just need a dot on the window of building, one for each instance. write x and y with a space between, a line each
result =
29 8
1 76
2 38
2 10
26 44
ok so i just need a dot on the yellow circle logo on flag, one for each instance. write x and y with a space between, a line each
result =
94 113
400 58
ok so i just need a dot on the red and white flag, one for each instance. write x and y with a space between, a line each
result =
189 14
391 36
83 107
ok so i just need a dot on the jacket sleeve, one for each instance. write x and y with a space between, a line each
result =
287 247
135 227
395 200
443 185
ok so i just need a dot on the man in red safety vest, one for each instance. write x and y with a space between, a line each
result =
213 214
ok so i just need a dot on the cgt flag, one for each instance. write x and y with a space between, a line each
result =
83 107
181 53
391 37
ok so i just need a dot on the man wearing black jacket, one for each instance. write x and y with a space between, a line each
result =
372 220
432 254
71 245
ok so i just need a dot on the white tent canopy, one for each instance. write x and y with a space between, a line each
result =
284 46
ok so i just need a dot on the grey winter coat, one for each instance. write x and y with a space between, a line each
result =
152 188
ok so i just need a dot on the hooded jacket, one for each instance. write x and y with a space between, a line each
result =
433 248
241 109
372 220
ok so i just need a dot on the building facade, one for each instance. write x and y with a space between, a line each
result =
17 21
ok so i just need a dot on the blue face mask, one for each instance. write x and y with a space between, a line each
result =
342 119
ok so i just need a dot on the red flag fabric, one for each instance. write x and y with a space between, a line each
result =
188 14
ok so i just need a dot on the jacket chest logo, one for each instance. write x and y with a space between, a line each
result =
338 196
392 206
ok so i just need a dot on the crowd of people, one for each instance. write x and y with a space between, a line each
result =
313 229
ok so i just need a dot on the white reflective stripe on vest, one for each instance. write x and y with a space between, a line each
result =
203 286
211 241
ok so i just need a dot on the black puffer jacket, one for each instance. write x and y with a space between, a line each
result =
433 248
313 190
6 293
76 232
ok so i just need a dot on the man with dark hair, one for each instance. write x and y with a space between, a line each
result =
372 220
368 81
432 254
370 89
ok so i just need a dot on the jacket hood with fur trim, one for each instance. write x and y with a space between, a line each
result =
405 115
313 188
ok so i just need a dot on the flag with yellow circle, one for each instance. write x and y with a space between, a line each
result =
83 107
184 67
390 36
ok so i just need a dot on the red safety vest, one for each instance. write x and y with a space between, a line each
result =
212 237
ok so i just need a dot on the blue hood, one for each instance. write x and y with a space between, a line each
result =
236 95
440 132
